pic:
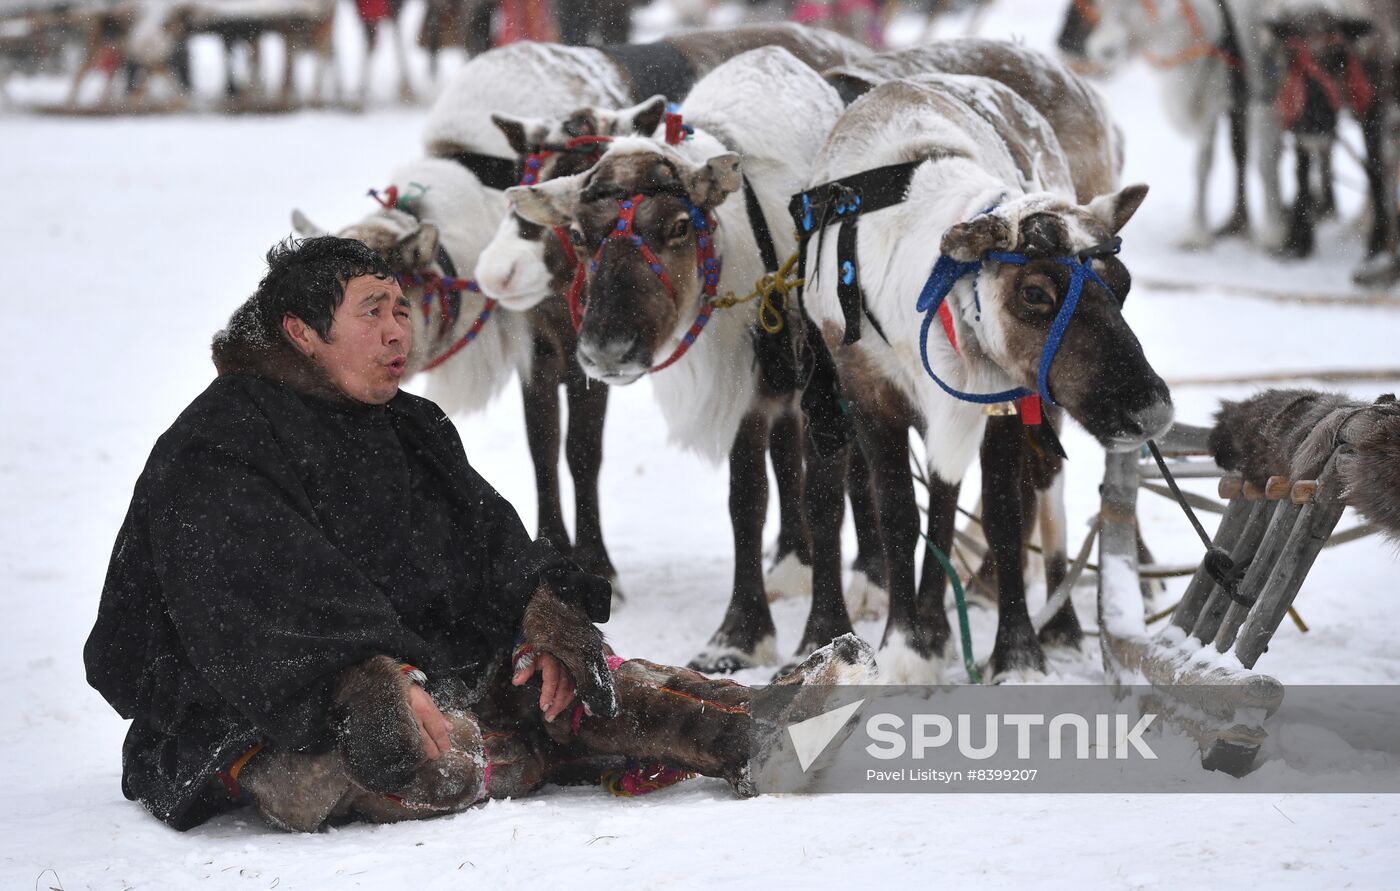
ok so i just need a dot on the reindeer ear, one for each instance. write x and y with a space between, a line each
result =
523 134
711 184
969 242
1117 208
419 248
304 227
642 119
554 203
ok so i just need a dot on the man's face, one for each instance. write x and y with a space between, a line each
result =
370 337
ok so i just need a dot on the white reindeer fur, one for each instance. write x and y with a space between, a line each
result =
776 111
535 79
900 245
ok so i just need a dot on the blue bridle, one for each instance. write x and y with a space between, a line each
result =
947 272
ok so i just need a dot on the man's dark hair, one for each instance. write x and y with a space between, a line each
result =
307 278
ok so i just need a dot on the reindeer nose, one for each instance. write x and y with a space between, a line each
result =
1152 421
611 356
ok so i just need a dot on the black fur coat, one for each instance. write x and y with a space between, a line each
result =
280 533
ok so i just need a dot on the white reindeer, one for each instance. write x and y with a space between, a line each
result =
773 111
997 242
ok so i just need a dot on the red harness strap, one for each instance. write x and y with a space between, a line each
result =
1359 91
707 265
530 175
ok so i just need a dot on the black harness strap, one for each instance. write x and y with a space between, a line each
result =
777 362
653 68
844 201
495 173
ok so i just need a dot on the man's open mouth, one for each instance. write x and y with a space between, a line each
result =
397 365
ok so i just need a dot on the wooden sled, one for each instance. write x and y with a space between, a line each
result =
1202 663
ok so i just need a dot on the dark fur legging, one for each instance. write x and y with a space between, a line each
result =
503 748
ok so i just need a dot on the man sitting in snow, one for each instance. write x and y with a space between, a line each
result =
312 587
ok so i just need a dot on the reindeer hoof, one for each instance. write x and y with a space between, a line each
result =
720 659
846 661
1020 664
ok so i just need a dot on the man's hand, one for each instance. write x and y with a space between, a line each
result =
557 688
432 726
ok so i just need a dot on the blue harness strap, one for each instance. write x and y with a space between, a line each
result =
947 272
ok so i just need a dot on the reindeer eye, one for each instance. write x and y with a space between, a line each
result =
576 237
1037 296
680 228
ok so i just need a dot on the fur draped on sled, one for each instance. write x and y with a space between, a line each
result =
1293 432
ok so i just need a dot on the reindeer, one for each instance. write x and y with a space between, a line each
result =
526 263
1213 66
1334 60
1093 150
1013 256
668 234
442 212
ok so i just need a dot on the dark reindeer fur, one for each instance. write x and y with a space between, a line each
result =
1292 433
562 630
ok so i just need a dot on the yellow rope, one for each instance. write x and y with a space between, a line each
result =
771 316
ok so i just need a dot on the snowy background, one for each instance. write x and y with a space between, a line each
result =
128 242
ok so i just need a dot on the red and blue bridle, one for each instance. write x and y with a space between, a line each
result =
446 289
947 272
707 265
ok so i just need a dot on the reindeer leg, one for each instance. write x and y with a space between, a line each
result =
1268 150
868 594
406 94
1299 242
917 632
1063 629
583 449
825 498
1326 194
1380 178
1239 152
790 575
541 393
1016 650
746 635
1200 236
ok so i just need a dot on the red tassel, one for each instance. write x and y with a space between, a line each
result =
1029 408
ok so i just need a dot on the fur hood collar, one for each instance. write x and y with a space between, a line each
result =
244 347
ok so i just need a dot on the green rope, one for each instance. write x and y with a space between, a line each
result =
972 673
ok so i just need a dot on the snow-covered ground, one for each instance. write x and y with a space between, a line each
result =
130 241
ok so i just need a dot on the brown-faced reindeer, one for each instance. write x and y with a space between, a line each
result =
526 263
669 230
444 209
955 262
1092 148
